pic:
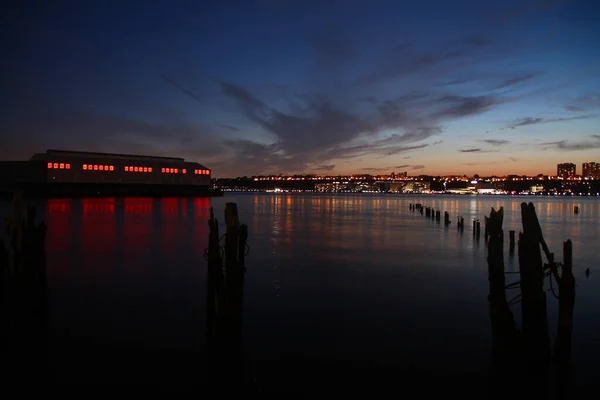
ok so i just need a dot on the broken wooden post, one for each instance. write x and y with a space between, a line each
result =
533 304
446 218
511 238
505 336
576 210
437 215
566 303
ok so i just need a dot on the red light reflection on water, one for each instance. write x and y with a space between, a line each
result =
137 230
98 236
58 237
169 210
201 216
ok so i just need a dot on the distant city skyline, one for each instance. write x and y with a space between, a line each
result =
333 87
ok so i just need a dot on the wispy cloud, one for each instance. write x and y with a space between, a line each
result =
475 150
569 145
516 80
533 121
513 159
178 86
496 142
229 127
329 167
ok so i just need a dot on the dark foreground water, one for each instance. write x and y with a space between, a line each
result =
336 284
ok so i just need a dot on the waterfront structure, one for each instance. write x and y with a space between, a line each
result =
566 170
121 174
590 170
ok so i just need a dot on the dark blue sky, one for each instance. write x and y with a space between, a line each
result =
261 86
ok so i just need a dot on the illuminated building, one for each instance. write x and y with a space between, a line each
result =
66 173
590 170
566 170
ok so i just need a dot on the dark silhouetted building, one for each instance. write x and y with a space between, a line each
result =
590 170
566 170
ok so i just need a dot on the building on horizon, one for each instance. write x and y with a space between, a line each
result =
566 170
590 170
64 172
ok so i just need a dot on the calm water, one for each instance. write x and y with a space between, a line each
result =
347 279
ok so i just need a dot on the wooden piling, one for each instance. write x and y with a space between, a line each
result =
535 324
446 218
506 348
566 303
478 229
511 238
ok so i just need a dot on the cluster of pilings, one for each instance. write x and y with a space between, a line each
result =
225 283
433 214
23 301
524 356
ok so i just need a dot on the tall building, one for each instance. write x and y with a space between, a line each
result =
566 170
590 170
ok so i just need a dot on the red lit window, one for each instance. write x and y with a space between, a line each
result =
183 171
95 167
62 166
145 169
55 165
126 169
162 170
112 167
136 169
106 167
149 169
176 170
85 167
68 166
50 165
101 167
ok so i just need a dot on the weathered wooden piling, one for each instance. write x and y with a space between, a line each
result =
505 336
566 303
478 229
23 298
576 210
533 304
438 215
225 299
446 218
511 239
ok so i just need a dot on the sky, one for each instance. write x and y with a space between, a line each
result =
255 87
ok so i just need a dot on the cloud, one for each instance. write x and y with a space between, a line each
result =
575 146
414 167
329 167
496 142
405 59
318 130
183 90
533 121
513 159
516 80
476 150
229 127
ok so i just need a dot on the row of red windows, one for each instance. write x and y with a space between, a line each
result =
96 167
138 169
58 166
173 170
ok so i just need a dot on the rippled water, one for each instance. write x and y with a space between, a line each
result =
352 279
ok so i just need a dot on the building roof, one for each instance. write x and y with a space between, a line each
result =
115 155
